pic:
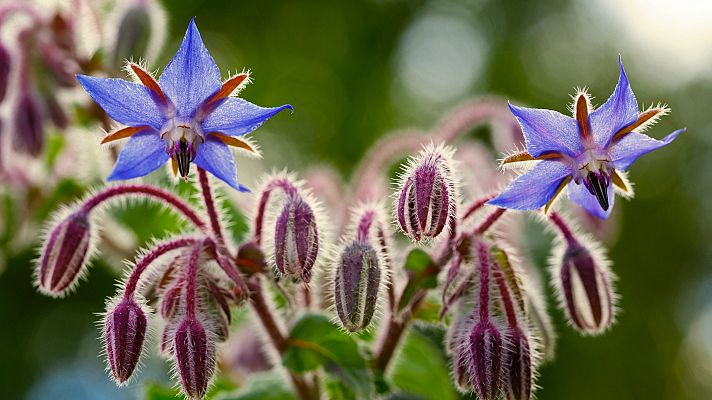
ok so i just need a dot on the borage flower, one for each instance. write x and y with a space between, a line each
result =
187 116
587 153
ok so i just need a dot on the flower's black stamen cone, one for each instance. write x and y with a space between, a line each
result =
600 189
183 158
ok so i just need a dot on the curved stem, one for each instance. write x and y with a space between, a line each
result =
282 183
164 196
490 220
506 297
484 268
210 205
158 251
476 205
563 227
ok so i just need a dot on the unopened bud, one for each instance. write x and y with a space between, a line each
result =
5 65
296 240
133 35
426 201
518 358
171 301
195 356
487 350
124 333
28 125
356 286
250 258
64 255
585 290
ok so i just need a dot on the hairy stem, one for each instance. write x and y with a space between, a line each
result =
287 187
164 196
158 251
564 228
489 221
191 277
210 205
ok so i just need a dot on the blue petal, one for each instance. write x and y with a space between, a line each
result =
237 117
535 188
548 131
619 111
215 157
125 102
192 75
633 145
581 196
144 153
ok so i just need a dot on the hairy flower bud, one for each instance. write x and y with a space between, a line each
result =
356 285
133 35
296 239
195 356
487 351
518 359
124 333
64 255
585 290
28 125
5 65
171 301
426 201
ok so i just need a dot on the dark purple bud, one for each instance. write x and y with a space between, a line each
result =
426 201
5 65
124 333
296 240
195 356
64 255
461 371
133 35
518 358
585 290
356 285
487 351
171 301
28 125
250 258
56 113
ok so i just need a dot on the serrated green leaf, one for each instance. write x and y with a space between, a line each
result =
315 341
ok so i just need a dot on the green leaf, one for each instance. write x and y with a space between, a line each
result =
264 386
420 368
421 275
156 391
417 260
315 341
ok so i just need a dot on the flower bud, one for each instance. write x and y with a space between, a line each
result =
171 301
356 285
64 255
486 349
195 356
296 241
133 35
250 258
426 200
585 290
28 129
518 358
124 333
5 65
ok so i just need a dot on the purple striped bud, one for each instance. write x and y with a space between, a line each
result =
585 290
427 197
28 125
356 284
64 255
296 240
195 357
171 300
124 333
5 65
487 352
518 358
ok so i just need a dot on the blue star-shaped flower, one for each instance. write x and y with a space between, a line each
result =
187 115
586 154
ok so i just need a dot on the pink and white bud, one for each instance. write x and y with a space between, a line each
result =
195 357
356 283
296 239
65 254
427 195
124 333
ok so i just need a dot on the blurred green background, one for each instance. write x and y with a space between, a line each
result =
354 70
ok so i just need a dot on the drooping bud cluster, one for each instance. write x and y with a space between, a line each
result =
360 270
583 281
427 194
67 249
295 223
